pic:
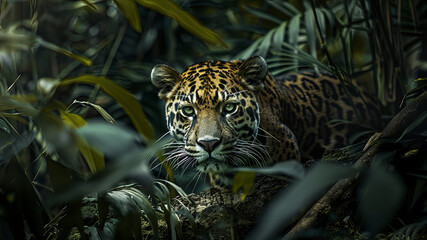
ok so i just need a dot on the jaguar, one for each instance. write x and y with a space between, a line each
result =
225 114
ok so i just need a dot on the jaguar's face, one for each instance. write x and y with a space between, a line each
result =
212 113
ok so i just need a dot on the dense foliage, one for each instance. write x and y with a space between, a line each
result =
79 118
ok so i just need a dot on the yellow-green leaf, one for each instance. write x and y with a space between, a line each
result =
126 100
14 116
90 4
94 158
72 120
171 9
100 110
130 10
86 61
166 165
243 180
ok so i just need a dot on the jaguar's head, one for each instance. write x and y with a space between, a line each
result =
213 114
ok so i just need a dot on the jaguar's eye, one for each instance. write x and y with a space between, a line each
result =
188 111
230 108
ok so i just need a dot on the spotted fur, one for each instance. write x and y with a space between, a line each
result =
273 119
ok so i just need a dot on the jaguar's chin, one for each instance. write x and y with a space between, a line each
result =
211 165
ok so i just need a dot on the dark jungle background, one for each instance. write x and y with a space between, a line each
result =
79 118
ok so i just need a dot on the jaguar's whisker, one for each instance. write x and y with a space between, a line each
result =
268 134
164 135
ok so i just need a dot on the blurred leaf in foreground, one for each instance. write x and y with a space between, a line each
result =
245 176
382 196
132 164
112 140
296 198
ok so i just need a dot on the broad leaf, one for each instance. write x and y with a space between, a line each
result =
296 198
94 158
171 9
132 165
130 10
128 102
288 168
382 196
16 146
23 107
72 120
244 180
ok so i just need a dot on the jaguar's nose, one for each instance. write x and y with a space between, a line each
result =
209 145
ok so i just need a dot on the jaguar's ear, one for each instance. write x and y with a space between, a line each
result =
165 79
253 71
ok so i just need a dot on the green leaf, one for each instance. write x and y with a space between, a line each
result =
142 202
25 108
294 26
130 10
248 52
288 10
16 146
279 36
115 141
184 19
419 122
297 197
358 135
310 31
132 164
265 45
383 158
382 197
94 158
291 8
244 180
288 168
177 188
185 212
176 225
128 102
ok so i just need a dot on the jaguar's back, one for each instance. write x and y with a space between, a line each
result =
309 102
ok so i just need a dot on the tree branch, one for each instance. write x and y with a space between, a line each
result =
394 129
